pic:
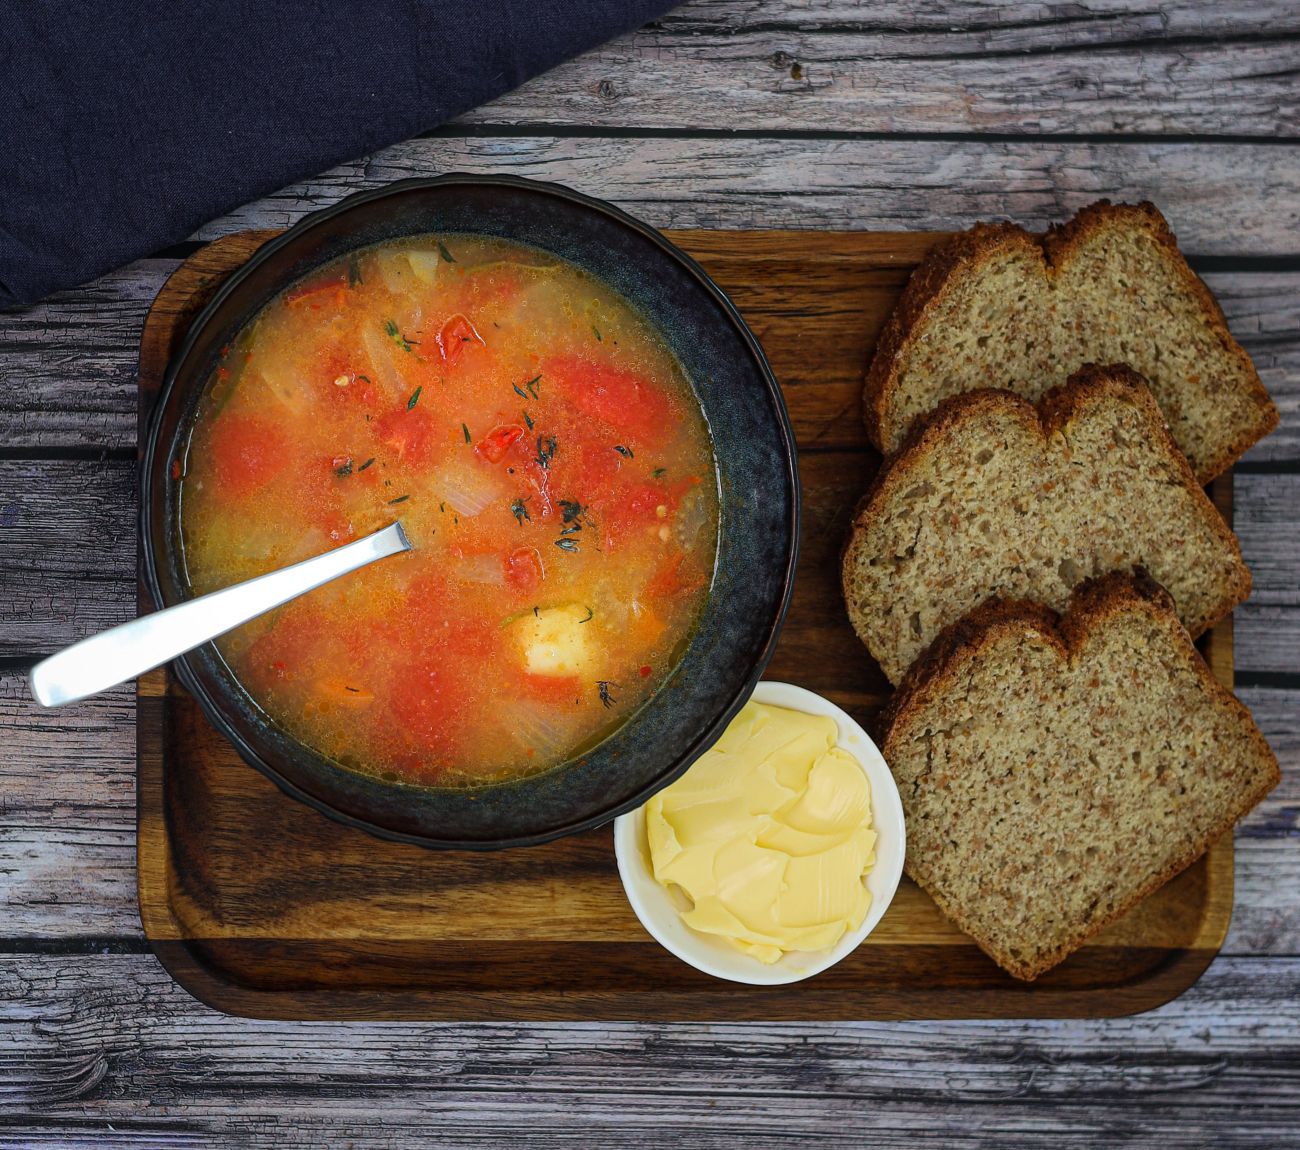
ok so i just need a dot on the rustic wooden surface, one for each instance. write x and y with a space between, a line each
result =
226 863
727 113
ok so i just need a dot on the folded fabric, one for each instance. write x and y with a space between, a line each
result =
126 125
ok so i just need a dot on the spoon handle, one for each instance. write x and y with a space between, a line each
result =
131 649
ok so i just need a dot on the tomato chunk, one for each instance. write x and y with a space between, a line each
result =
496 443
428 704
554 689
627 403
247 453
407 435
524 569
455 334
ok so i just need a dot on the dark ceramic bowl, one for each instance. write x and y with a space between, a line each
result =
755 454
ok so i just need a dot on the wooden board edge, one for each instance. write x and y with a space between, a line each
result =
211 984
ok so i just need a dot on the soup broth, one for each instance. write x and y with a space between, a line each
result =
545 454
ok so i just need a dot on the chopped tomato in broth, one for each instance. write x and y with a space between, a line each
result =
545 453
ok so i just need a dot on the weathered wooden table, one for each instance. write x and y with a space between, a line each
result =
728 113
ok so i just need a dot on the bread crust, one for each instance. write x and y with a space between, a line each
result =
966 254
1054 411
946 264
1093 605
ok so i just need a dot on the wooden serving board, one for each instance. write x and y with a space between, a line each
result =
260 906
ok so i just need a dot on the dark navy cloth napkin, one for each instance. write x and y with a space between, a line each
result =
125 125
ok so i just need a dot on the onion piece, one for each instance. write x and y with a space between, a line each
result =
468 488
488 570
395 271
424 265
534 727
380 350
691 518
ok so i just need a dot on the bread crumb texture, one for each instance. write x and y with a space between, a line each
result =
999 307
1055 773
994 497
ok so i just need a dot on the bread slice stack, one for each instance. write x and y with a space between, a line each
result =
994 496
1054 772
999 307
1060 747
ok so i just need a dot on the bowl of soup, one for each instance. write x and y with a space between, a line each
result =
589 453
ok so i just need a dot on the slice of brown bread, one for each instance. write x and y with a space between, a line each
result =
1054 773
994 497
999 307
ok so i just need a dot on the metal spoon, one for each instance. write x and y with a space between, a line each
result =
131 649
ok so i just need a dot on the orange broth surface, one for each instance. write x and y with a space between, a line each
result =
545 454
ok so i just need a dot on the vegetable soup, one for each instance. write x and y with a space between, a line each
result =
544 452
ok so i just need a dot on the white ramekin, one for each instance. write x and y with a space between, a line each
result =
654 905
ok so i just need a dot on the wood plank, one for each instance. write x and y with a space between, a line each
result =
1268 524
107 1050
1224 199
70 365
1263 312
70 362
67 824
67 567
1154 68
1270 635
1019 27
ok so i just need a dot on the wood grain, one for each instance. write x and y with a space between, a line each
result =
995 24
856 184
1154 68
116 1055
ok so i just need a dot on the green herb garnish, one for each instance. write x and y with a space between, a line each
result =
573 515
520 512
590 616
606 695
465 429
546 448
367 463
398 338
528 421
599 338
625 452
415 397
442 251
344 470
394 333
658 473
531 385
399 499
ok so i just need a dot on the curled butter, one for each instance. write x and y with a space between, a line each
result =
768 835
